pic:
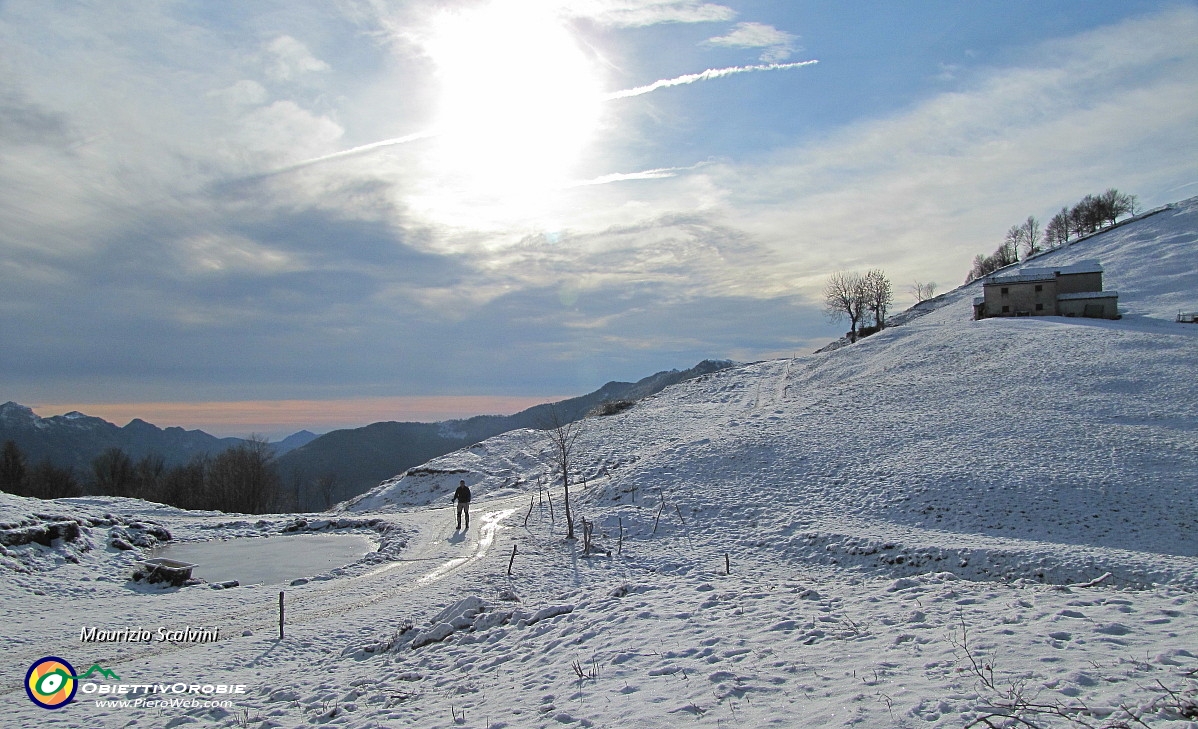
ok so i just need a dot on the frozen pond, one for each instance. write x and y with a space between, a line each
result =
269 560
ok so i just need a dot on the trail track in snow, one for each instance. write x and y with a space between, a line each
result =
430 558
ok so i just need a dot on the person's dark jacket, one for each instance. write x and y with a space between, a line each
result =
462 495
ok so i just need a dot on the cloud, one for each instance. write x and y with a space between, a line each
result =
25 122
711 73
284 130
243 94
289 59
778 44
142 255
657 174
920 192
641 13
214 253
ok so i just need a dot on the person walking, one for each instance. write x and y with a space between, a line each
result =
462 496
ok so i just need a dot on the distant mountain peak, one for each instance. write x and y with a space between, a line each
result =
139 425
74 439
295 440
14 414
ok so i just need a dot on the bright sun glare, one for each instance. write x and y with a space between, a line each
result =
519 101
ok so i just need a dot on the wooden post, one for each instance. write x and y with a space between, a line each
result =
509 562
620 543
531 503
727 564
280 615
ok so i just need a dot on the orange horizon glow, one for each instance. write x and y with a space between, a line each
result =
273 417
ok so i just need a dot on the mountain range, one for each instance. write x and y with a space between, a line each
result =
347 462
76 439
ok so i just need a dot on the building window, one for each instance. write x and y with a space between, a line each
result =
1039 288
1005 291
1039 307
1006 310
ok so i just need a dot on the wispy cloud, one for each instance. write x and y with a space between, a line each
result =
709 74
361 149
642 13
657 174
133 274
1115 106
778 44
290 59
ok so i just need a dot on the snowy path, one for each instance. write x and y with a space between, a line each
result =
431 557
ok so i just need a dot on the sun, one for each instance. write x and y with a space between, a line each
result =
519 100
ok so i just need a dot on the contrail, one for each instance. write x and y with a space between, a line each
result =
710 73
689 78
656 174
356 150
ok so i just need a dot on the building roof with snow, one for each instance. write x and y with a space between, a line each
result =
1024 275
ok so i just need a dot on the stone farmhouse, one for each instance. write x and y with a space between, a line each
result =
1074 290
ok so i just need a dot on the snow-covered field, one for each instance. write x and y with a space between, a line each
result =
945 522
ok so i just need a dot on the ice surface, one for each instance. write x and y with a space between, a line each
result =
268 561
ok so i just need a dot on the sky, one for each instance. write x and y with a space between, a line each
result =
262 217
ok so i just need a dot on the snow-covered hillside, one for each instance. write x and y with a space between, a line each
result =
947 521
1048 448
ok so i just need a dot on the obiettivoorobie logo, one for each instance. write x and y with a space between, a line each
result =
51 682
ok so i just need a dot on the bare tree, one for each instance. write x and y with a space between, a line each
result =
184 485
13 469
1012 243
984 265
563 434
1056 233
978 269
114 473
923 291
47 481
1030 230
244 478
148 474
1086 216
845 295
1112 204
879 295
327 487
